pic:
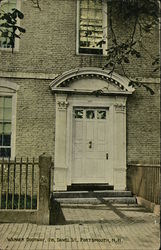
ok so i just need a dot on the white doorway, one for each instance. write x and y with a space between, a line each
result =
90 128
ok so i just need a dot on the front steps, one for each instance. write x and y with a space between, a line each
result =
90 187
94 197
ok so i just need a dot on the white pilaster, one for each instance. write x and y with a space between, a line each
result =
60 169
120 144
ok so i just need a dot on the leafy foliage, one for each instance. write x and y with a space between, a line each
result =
9 28
137 84
144 17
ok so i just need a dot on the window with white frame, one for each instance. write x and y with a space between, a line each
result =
6 6
5 125
8 97
92 27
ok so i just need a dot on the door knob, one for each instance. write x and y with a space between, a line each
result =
90 144
106 156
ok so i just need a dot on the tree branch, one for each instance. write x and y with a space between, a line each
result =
36 2
134 30
114 40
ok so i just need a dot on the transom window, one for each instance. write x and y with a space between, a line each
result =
90 114
6 6
92 26
5 125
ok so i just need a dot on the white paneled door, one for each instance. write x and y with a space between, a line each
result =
90 145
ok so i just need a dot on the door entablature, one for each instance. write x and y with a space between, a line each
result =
98 79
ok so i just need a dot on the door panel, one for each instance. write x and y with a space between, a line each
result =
101 130
90 145
78 130
89 131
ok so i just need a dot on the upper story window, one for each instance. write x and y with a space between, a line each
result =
92 27
7 6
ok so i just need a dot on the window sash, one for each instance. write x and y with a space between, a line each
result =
5 125
90 26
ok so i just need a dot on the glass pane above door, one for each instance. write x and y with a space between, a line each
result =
101 114
90 114
79 114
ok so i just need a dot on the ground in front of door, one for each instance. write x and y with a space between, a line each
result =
86 226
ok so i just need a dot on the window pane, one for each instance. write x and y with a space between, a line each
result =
1 114
5 152
79 114
7 128
98 15
0 139
8 102
5 108
8 5
1 128
1 101
91 3
83 3
6 140
101 114
90 114
7 114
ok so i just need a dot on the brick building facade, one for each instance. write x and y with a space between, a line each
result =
47 50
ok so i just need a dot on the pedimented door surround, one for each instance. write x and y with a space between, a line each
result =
90 88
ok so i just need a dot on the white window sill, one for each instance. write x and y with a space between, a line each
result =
9 50
83 54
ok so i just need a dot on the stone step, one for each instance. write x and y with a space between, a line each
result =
91 194
90 187
105 200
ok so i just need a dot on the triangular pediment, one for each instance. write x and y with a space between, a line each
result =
91 80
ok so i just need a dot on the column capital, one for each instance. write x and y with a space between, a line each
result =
120 108
62 105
